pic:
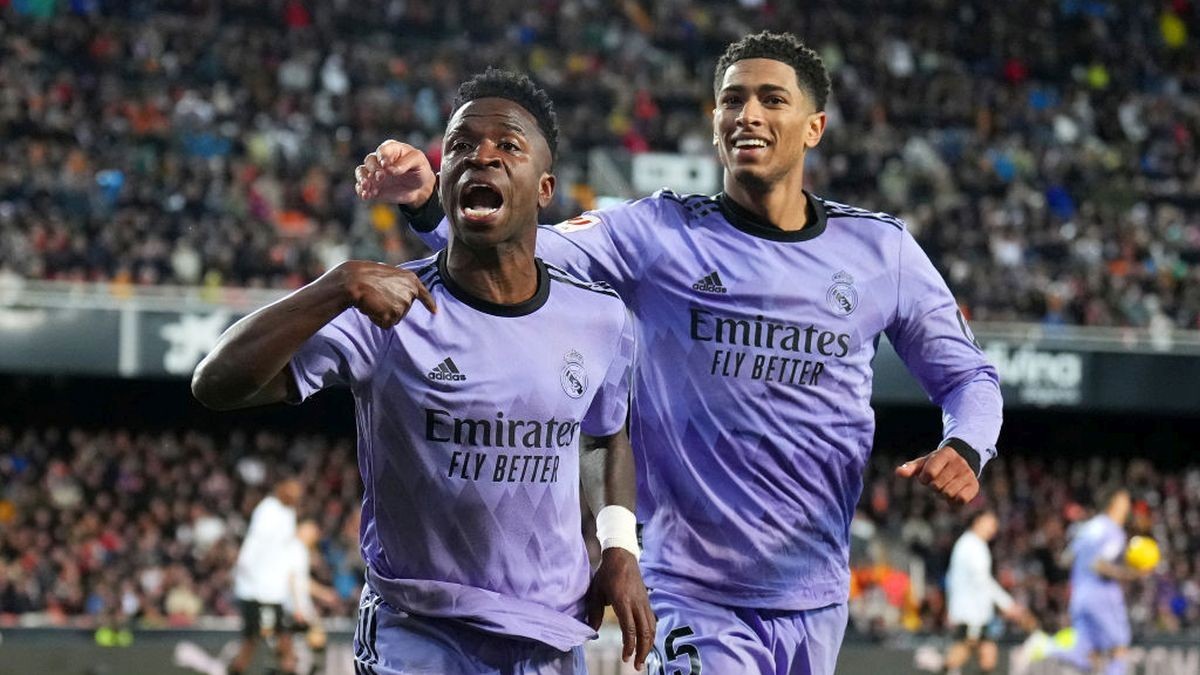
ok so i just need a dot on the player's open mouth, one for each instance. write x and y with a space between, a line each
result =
480 201
748 147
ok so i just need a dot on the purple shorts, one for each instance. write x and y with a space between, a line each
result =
1101 628
696 637
388 641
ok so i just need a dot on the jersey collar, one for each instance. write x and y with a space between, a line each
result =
496 309
754 226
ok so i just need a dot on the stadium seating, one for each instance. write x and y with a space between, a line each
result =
1044 153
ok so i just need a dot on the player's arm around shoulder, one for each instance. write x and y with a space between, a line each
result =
248 366
615 244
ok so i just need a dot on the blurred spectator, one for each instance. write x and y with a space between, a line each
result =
1045 154
152 531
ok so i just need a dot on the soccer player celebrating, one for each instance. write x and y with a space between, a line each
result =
758 312
973 596
469 410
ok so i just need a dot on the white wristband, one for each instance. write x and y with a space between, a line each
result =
616 527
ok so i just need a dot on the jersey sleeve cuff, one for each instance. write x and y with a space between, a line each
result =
425 218
965 451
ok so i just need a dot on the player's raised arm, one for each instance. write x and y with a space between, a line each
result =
248 365
596 245
932 338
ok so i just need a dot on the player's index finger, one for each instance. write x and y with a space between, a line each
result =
426 297
912 466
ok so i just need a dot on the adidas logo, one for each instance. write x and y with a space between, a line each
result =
710 284
446 370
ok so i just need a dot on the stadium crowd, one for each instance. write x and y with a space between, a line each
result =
1039 502
143 529
1045 153
119 528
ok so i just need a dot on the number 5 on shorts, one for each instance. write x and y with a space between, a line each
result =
677 651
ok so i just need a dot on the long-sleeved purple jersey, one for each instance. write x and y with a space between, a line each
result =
751 417
468 444
1100 538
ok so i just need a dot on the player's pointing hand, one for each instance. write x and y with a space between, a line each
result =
396 173
945 471
384 294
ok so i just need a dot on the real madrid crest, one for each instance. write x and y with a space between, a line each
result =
842 297
573 378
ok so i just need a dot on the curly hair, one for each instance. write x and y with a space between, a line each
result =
785 48
497 83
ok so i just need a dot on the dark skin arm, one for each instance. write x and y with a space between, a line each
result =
248 367
607 472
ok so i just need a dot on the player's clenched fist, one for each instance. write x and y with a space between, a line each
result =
946 471
396 173
383 293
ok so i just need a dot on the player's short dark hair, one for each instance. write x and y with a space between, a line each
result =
1108 493
497 83
785 48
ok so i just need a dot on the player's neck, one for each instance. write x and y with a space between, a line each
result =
504 274
782 204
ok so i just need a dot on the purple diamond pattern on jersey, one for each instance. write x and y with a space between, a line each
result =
471 503
751 418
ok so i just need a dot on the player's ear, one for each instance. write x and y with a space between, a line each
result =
815 129
545 189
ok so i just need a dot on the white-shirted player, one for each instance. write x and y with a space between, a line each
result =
301 591
258 584
973 596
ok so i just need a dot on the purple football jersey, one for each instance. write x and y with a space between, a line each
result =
468 432
751 417
1100 538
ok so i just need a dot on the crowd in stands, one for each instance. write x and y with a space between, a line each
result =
122 528
142 529
1045 153
903 536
